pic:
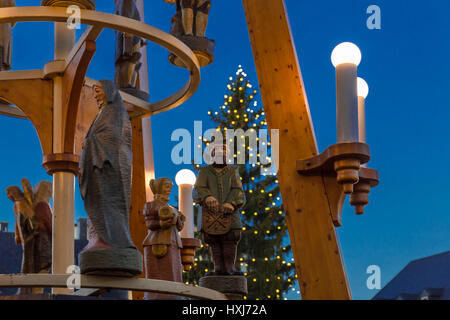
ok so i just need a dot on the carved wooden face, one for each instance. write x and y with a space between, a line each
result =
14 193
166 188
220 155
100 96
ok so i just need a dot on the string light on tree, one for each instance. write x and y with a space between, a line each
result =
241 110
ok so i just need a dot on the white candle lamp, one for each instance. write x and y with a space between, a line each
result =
185 180
363 92
346 160
346 58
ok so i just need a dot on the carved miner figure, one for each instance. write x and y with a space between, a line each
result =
219 191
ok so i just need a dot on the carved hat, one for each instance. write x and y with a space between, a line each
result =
156 185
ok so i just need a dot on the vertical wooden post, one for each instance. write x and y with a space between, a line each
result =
149 164
138 229
63 182
313 236
143 165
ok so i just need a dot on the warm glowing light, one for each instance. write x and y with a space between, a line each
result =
363 88
185 176
346 52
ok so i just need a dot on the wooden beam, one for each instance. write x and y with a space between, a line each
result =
138 229
73 81
90 34
22 75
12 111
35 98
313 236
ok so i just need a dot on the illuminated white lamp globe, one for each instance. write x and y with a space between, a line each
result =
363 88
346 52
185 176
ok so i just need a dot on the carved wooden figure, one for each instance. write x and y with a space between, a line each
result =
191 18
6 39
33 227
219 190
105 185
58 100
189 25
163 243
128 47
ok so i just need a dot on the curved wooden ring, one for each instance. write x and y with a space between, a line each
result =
118 283
106 20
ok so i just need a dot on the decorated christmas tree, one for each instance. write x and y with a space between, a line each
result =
264 251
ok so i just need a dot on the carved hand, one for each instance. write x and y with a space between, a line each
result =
180 221
228 208
166 223
212 204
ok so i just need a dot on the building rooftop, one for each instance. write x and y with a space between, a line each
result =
426 278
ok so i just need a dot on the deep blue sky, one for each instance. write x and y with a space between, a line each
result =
405 65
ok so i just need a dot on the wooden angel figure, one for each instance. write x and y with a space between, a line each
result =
33 227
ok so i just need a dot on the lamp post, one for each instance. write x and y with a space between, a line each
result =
185 180
346 58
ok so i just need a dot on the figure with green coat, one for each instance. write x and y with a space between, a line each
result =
219 191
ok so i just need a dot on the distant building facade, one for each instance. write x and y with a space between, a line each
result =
423 279
11 253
